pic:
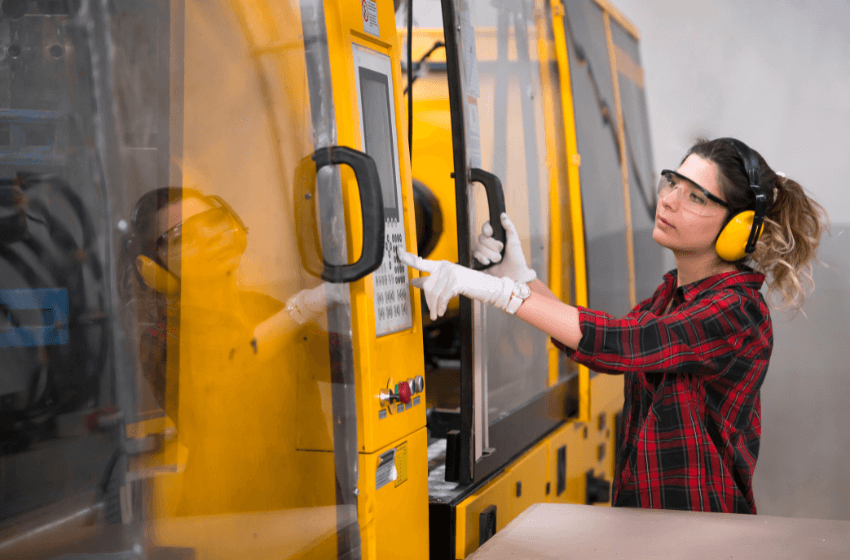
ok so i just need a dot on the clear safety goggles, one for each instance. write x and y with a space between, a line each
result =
694 198
202 226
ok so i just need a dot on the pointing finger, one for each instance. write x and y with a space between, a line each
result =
430 296
416 262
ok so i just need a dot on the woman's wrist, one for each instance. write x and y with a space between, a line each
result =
539 287
555 318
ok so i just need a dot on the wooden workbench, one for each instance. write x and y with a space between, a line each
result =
587 532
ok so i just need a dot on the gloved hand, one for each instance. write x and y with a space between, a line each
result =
309 304
488 250
449 280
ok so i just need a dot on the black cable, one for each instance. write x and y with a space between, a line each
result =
106 476
410 77
422 59
649 206
604 109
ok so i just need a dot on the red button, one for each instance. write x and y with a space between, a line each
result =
404 392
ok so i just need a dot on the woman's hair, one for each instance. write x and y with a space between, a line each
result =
793 222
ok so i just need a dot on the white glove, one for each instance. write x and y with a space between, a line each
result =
309 304
488 250
449 280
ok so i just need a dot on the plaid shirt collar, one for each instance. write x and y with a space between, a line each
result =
747 278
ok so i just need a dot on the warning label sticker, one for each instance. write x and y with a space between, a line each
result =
370 17
386 472
401 463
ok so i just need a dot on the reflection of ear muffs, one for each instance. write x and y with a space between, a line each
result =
156 277
739 236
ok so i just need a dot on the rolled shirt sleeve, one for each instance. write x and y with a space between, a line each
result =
701 338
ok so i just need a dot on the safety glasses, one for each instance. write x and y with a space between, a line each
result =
694 198
209 221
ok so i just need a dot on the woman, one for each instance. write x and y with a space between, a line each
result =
178 235
694 355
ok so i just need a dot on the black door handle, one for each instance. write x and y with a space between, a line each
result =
496 205
371 210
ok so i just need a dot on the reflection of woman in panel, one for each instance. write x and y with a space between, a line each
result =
222 345
161 220
695 354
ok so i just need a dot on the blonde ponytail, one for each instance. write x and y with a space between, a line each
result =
787 250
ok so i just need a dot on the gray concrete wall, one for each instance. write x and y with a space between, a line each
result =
776 75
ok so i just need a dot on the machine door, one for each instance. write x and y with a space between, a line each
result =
497 108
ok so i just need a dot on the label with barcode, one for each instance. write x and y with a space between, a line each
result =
386 471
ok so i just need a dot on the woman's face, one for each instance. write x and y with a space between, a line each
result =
677 227
198 239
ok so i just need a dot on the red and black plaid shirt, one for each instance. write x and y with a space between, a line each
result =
691 414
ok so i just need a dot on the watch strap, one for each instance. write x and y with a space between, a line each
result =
514 304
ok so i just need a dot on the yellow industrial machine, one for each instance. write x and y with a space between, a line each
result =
210 348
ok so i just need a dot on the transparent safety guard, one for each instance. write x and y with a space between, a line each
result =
169 325
648 257
66 381
505 79
601 179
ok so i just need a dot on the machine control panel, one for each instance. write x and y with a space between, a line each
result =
397 397
393 312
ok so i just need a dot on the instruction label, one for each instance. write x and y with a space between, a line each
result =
370 17
401 463
470 59
471 83
386 471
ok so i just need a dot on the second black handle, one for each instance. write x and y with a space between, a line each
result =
496 206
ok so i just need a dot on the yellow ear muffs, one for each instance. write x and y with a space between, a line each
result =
157 277
731 244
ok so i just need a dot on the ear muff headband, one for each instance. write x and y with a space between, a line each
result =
739 236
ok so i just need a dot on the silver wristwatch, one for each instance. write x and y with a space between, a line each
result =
520 292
